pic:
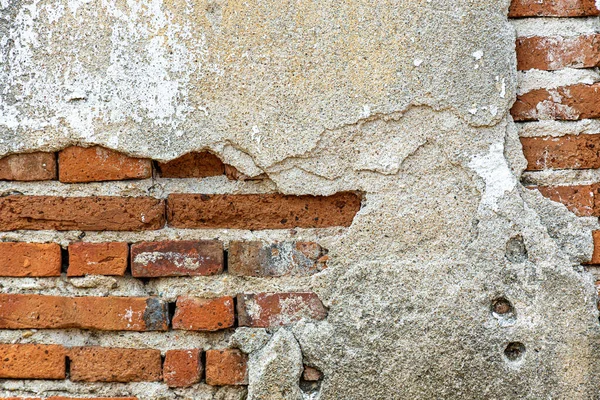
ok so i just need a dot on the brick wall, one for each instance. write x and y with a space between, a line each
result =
558 106
140 244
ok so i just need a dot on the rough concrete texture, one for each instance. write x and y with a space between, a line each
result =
405 101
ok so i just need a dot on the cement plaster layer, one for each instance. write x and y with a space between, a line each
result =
406 101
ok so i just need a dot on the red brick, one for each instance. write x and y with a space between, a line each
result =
105 364
596 255
564 103
261 211
582 200
183 368
276 259
98 258
196 314
311 374
556 52
28 167
265 310
24 311
81 213
94 164
570 151
177 258
192 165
226 367
32 361
30 259
553 8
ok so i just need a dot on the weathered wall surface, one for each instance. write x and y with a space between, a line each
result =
405 101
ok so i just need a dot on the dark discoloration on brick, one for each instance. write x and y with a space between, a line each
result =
192 165
156 315
276 259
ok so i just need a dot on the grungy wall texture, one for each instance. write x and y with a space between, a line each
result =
406 101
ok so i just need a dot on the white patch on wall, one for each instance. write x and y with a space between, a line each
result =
495 172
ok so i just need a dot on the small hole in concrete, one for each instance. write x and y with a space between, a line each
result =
502 306
514 351
515 249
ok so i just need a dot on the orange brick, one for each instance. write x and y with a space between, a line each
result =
556 52
226 367
198 314
104 364
98 258
261 211
573 102
581 199
265 310
183 368
30 259
94 164
596 254
192 165
565 152
32 361
24 311
311 374
176 258
553 8
28 167
100 213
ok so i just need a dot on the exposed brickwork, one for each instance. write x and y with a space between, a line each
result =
226 367
192 165
30 259
98 259
28 167
92 164
553 8
570 151
596 255
183 368
564 103
81 213
32 361
261 211
556 52
580 199
177 258
101 364
276 259
265 310
198 314
24 311
311 374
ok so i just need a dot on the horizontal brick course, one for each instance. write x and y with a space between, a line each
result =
265 310
573 102
261 211
556 52
177 258
183 368
32 361
226 367
583 200
570 151
275 259
192 165
22 311
553 8
28 167
81 213
98 259
30 259
93 164
102 364
198 314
